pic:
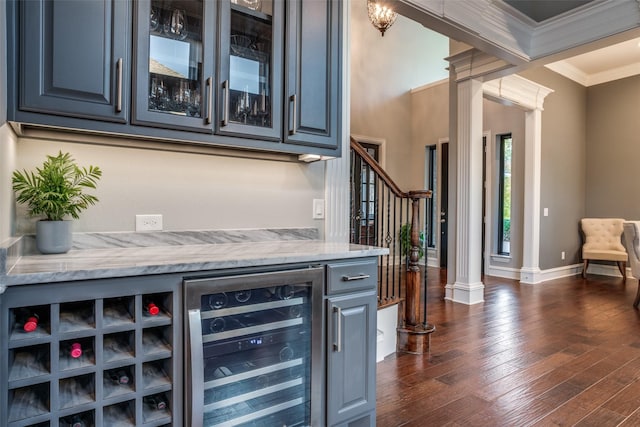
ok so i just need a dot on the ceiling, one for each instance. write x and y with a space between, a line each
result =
599 66
602 65
541 10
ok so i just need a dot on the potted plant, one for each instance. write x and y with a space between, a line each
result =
405 242
56 190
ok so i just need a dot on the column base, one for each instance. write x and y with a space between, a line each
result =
415 339
465 293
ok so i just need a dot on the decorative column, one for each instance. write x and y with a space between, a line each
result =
530 96
468 287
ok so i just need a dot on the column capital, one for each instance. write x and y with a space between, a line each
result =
474 63
518 90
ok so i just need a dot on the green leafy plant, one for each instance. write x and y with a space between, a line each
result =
405 241
56 188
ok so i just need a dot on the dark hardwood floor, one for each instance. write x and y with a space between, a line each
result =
566 352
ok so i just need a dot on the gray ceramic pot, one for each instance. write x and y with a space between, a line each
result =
53 237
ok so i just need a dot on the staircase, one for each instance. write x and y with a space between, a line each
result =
384 215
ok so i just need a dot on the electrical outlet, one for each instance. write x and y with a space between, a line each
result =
562 255
148 222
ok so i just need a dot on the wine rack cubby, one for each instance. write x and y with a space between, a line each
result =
111 357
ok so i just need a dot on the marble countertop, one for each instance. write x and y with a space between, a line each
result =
122 256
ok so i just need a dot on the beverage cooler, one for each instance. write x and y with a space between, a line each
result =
254 349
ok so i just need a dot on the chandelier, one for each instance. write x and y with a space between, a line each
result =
381 15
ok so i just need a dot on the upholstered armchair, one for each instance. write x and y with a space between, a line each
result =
603 242
632 242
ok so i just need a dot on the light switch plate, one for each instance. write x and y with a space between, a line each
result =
318 208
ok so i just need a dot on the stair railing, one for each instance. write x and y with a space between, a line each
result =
384 215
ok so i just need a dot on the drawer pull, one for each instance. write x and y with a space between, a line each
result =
358 277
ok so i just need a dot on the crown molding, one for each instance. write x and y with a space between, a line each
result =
569 71
493 27
590 23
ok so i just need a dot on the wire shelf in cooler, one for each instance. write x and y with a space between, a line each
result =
250 308
253 394
259 328
253 373
228 419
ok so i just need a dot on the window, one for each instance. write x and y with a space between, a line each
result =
431 213
365 198
504 194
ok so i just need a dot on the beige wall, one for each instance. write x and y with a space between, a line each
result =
563 175
430 123
191 191
613 149
383 71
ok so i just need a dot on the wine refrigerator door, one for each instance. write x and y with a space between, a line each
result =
255 349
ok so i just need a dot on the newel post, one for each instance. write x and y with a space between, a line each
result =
414 336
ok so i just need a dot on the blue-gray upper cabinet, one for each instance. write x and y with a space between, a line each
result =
313 70
250 82
74 58
174 64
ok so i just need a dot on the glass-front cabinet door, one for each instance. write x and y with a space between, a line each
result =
250 81
175 58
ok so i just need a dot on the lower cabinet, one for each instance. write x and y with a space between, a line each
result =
96 353
351 350
261 347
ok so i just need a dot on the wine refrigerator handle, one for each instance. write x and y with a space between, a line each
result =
195 377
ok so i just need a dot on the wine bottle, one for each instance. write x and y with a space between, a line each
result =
285 291
119 377
242 296
75 350
286 353
156 402
30 322
218 301
73 421
151 309
217 324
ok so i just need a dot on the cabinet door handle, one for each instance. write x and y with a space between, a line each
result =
294 115
358 277
196 365
337 346
119 85
225 103
209 100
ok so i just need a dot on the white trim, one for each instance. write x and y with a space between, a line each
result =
429 86
473 64
465 293
569 71
541 276
498 30
380 142
605 270
337 171
522 92
488 202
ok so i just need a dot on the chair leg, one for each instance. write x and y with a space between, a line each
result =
622 266
637 301
584 268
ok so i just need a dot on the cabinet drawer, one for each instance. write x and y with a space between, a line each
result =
352 276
